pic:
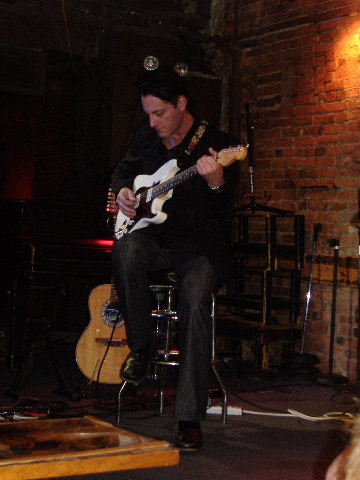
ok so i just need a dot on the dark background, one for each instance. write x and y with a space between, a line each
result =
69 109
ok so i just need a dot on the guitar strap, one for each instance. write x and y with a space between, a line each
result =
111 204
196 137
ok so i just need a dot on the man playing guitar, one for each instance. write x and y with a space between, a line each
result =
192 240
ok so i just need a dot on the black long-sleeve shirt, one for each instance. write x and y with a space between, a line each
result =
198 218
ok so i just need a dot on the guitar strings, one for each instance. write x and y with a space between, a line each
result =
189 172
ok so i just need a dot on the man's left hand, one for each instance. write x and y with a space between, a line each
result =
210 170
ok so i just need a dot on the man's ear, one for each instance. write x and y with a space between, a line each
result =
182 103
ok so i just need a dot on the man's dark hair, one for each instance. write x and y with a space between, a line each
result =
164 84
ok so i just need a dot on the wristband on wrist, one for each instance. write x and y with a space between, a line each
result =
217 189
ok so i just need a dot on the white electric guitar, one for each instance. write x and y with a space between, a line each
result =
152 191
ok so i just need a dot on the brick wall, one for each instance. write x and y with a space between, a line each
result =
296 63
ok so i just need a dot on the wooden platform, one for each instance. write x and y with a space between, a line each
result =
35 449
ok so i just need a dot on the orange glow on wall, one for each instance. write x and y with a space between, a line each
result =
347 58
348 44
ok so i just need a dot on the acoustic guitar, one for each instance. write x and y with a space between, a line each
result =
102 348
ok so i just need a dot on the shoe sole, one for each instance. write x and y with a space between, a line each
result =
187 449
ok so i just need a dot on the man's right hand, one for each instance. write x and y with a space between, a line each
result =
126 201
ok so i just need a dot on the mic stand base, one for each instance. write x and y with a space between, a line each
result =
254 207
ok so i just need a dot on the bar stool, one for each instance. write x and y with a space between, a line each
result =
165 318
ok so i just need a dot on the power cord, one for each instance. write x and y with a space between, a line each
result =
291 414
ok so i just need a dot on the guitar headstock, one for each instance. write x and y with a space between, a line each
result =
227 156
111 206
111 209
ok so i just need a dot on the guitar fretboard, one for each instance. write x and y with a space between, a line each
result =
153 192
236 153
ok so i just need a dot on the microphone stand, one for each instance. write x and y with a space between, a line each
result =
354 386
357 329
253 206
331 378
301 361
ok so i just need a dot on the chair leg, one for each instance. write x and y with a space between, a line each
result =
213 367
224 394
121 390
162 390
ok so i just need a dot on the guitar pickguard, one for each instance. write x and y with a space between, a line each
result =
147 211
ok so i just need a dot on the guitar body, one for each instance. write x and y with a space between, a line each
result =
151 191
147 212
94 342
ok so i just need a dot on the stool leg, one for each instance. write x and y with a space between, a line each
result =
213 367
164 368
224 394
162 390
121 390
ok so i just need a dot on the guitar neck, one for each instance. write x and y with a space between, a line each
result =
172 182
226 157
153 192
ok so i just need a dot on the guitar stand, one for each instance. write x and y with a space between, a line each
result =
42 331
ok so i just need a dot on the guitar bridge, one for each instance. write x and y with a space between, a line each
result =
115 342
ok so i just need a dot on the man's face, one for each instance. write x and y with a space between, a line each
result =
163 116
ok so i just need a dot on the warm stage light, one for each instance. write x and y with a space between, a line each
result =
345 71
348 44
354 44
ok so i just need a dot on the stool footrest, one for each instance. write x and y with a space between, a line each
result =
165 362
164 313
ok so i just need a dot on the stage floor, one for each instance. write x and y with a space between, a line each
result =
276 428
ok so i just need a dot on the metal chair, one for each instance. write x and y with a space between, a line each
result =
165 318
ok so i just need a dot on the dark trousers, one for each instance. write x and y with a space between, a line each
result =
135 257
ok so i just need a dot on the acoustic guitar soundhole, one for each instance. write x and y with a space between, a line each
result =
111 315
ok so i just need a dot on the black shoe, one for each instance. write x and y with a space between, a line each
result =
189 437
136 366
